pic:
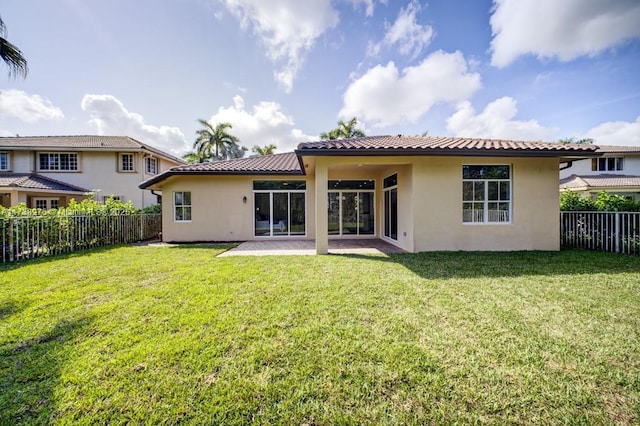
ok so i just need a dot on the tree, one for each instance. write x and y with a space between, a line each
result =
11 55
344 131
584 141
215 143
264 150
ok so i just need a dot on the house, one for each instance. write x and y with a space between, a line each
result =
617 171
418 193
48 171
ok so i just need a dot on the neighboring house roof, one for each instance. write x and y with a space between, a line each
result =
82 143
611 149
35 181
290 163
431 145
583 183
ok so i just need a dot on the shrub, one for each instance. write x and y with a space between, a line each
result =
604 202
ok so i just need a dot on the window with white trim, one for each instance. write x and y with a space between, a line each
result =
608 164
486 193
151 165
4 161
126 163
182 206
46 203
112 197
58 161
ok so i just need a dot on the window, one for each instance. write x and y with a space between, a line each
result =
58 161
182 206
280 207
606 164
151 166
390 191
112 197
4 161
126 163
486 194
46 203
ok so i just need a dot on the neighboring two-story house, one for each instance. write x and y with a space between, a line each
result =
617 171
48 171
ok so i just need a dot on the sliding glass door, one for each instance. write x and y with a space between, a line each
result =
279 208
351 208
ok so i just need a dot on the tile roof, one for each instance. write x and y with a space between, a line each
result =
35 181
606 149
275 163
576 182
431 145
83 142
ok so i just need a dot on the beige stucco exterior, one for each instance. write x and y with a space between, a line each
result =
97 171
429 203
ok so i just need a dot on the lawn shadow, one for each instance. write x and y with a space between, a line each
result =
447 265
8 266
30 371
8 308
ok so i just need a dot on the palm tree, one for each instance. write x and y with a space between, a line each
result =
343 131
11 55
193 157
215 143
264 150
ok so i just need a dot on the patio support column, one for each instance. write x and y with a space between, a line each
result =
322 207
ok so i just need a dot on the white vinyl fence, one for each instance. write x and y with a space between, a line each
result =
33 236
608 231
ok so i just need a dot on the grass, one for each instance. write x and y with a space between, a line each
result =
161 335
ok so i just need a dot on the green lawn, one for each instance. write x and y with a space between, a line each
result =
173 334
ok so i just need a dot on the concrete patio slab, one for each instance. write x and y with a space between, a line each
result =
307 247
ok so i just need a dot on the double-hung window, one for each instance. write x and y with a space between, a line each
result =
151 166
4 161
182 206
126 162
58 161
486 194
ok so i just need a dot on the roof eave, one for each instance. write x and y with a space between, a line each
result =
159 178
375 152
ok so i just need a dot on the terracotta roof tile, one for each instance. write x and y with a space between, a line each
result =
275 163
35 181
432 144
583 182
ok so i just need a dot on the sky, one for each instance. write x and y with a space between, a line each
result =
284 71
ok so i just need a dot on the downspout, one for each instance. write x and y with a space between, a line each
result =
568 165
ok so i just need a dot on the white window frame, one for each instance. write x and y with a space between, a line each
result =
486 216
54 162
48 201
183 207
607 164
387 193
5 161
148 161
131 165
114 197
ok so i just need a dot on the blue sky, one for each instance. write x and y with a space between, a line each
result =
283 71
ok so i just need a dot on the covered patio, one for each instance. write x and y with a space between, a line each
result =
308 247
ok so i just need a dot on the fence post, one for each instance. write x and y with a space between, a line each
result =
617 232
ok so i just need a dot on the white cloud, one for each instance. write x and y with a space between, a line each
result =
616 133
385 97
496 122
264 124
287 28
564 29
28 108
409 36
110 117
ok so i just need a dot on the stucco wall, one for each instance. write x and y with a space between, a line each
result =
429 204
438 207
